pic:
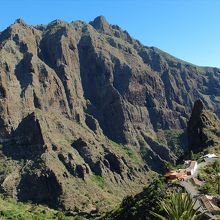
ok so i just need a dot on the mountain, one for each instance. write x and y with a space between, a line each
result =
87 113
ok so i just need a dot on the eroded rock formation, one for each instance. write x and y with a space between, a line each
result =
203 129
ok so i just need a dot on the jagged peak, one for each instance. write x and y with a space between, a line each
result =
100 23
198 107
100 19
57 22
20 21
19 24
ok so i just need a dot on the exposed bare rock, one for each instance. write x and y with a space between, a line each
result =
203 129
41 187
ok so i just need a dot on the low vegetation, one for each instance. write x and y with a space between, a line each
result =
129 151
10 209
99 180
174 139
159 200
143 205
210 176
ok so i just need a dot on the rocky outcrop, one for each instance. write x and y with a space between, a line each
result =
203 129
27 141
81 105
40 187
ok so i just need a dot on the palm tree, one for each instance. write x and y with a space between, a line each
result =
178 207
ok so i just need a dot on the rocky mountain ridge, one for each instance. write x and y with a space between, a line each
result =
80 110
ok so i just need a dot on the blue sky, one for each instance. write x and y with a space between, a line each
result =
187 29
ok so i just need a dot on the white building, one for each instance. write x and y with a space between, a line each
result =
192 167
210 156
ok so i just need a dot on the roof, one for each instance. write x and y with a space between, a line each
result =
210 155
208 204
197 182
172 173
179 174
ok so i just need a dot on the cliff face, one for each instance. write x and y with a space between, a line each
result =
81 106
203 129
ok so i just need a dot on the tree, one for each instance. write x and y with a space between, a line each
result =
138 206
192 155
168 166
216 166
218 183
206 188
178 207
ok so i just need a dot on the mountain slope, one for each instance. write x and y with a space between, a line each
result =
82 107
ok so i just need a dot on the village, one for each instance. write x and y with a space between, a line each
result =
187 177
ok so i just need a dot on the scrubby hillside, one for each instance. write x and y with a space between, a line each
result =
10 209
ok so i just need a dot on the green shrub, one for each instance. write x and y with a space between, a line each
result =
209 175
206 188
99 180
60 216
